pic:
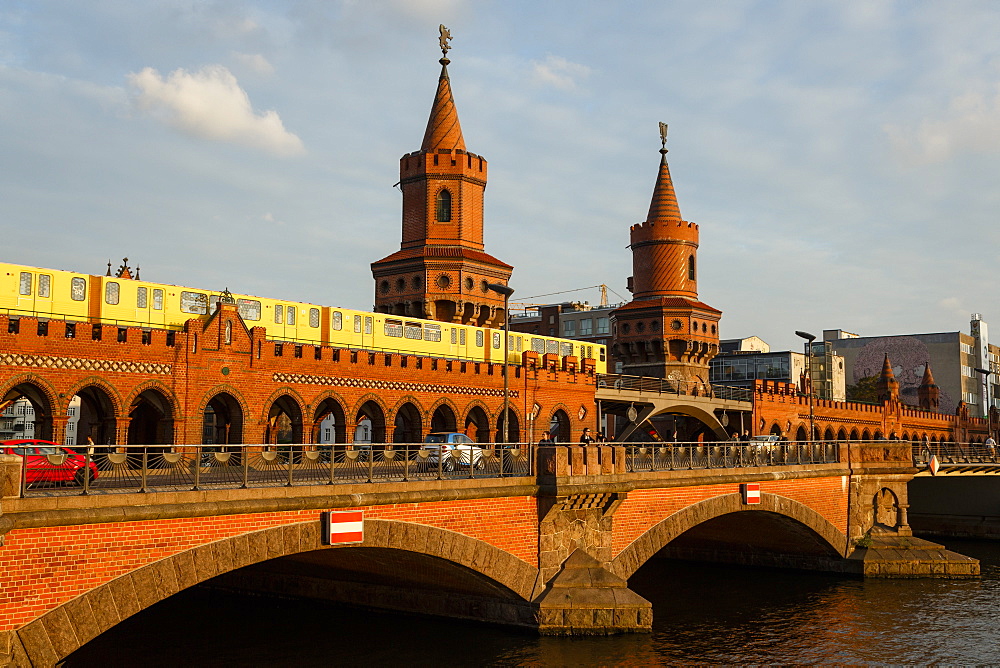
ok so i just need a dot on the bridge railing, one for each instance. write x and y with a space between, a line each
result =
155 468
645 384
727 455
954 453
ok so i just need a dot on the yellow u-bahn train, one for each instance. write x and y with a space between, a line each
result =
127 302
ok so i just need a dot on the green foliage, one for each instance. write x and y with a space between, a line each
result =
864 541
865 390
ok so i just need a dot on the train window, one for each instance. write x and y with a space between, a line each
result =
157 299
368 324
454 336
78 289
111 290
338 320
496 340
394 328
44 283
314 317
25 283
479 338
566 349
520 343
140 298
249 309
291 315
461 337
432 332
194 302
538 345
602 353
357 324
279 311
411 330
552 347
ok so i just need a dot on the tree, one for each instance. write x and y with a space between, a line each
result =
865 390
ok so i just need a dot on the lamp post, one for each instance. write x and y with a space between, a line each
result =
506 291
809 369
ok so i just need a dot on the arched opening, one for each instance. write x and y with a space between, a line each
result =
854 434
152 420
330 424
407 426
96 422
27 413
477 425
691 273
513 428
842 434
284 421
371 423
775 430
801 434
223 420
444 206
443 419
559 427
828 434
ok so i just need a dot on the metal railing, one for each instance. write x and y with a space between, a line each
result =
955 453
157 468
727 455
645 384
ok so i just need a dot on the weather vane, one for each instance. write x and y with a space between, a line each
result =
663 135
444 39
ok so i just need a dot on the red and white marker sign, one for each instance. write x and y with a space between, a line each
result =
934 465
341 527
751 492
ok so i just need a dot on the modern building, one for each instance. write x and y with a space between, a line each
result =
742 361
964 366
569 320
17 420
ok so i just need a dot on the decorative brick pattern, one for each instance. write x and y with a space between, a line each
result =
79 364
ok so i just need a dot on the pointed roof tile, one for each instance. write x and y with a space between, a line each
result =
443 129
664 209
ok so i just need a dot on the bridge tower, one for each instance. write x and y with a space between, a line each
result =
665 331
441 270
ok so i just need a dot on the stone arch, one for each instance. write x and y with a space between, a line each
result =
42 397
152 411
55 635
444 416
656 538
828 434
513 426
866 435
841 434
801 434
407 421
560 427
775 429
854 434
477 423
371 408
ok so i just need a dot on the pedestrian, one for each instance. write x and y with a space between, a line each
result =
991 446
600 437
585 437
545 440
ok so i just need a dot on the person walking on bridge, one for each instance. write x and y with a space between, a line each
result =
585 437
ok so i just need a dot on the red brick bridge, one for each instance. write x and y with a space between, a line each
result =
551 549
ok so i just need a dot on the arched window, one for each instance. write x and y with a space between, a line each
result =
444 207
690 267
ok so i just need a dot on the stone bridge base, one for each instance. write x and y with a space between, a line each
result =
893 556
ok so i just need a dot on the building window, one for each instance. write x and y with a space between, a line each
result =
444 207
690 267
586 327
602 326
569 328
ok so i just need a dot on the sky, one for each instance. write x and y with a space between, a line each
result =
841 157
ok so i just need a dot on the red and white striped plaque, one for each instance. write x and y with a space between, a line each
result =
751 492
341 527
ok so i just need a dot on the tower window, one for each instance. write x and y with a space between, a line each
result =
444 207
690 267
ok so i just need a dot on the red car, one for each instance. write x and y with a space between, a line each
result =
48 461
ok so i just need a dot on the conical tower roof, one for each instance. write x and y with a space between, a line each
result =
663 208
443 129
928 379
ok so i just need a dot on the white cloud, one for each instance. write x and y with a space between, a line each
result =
558 72
254 62
211 105
971 124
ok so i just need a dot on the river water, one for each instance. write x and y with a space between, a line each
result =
702 614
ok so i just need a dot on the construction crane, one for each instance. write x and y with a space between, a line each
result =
527 304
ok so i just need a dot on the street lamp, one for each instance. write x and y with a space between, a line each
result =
809 357
506 291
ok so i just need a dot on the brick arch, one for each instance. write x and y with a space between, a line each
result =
279 393
64 629
160 387
644 547
405 399
96 381
219 389
443 401
44 386
323 396
364 399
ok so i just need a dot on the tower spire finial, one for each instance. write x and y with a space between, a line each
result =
444 41
663 137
